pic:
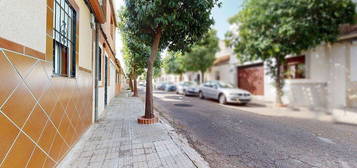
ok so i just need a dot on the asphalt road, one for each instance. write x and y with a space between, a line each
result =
230 137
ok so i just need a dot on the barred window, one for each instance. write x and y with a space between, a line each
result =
64 39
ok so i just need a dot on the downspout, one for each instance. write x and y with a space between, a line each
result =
95 59
96 73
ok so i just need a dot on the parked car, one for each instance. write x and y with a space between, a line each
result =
224 93
187 88
142 84
161 86
170 87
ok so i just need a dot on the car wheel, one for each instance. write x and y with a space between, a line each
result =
201 95
222 99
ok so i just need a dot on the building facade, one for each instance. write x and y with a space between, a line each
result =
108 69
47 65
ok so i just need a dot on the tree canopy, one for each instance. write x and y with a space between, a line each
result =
202 55
173 63
268 28
181 22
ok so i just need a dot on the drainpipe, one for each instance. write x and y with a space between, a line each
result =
96 72
94 25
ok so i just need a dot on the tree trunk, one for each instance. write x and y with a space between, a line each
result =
149 105
181 77
131 84
279 88
203 77
135 94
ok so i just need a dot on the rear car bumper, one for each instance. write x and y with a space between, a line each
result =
191 93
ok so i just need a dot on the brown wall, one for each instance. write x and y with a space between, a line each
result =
41 116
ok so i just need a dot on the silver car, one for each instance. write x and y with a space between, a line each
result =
224 93
187 88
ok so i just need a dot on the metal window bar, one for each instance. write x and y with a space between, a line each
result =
64 35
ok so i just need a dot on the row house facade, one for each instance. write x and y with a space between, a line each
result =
58 69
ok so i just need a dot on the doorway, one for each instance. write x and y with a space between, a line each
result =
105 80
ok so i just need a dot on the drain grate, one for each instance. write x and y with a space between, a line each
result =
183 105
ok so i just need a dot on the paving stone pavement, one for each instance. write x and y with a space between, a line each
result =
118 141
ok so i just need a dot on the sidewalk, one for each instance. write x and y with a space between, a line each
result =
118 141
269 109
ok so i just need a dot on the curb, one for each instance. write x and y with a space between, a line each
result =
185 147
181 142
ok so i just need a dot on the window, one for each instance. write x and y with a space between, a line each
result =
64 39
294 68
99 64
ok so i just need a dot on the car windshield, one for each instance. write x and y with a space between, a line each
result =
189 84
224 85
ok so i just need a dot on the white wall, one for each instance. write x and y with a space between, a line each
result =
111 88
227 73
353 63
337 75
326 79
100 101
85 36
24 22
317 64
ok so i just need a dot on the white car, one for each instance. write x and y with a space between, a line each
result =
187 88
224 93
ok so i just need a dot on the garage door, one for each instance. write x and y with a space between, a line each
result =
251 78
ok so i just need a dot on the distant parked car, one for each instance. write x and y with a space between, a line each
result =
142 84
161 86
187 88
170 87
224 93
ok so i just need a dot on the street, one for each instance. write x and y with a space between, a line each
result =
227 136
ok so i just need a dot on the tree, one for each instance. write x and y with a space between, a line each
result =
173 64
174 24
135 55
202 55
269 30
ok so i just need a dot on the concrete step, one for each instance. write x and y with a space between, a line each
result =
346 116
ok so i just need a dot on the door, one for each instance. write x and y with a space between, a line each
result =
251 78
209 90
105 80
204 89
213 91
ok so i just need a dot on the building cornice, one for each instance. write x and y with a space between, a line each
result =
98 11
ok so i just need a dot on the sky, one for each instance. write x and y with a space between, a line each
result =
221 15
